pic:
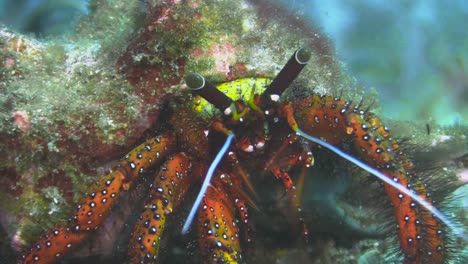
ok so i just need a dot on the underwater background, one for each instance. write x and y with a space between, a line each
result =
415 53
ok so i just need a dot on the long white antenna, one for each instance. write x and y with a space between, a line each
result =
206 183
457 230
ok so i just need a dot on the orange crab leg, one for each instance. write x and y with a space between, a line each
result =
419 230
53 246
98 202
421 235
167 191
218 233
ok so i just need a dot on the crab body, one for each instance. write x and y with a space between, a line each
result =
265 142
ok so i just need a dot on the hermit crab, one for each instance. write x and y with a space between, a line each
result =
224 136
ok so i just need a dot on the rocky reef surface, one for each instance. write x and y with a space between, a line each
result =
71 105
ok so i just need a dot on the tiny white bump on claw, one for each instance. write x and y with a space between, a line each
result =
249 148
275 97
260 145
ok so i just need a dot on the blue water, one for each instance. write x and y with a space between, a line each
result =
415 53
42 17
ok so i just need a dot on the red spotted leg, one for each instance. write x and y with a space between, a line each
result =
166 193
218 233
98 202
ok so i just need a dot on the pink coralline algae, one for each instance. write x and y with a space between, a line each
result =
21 120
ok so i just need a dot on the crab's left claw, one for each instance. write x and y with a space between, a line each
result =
218 233
166 193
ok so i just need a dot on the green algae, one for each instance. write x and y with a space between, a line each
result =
58 78
61 83
41 210
112 24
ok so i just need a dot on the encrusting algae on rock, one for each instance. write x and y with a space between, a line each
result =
71 106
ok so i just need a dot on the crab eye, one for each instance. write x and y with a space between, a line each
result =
199 85
287 75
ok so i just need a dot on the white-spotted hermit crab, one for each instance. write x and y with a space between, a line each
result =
224 135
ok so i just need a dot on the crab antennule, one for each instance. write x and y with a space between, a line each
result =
457 230
206 182
287 75
199 85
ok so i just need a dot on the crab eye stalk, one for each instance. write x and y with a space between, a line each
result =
199 85
287 75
